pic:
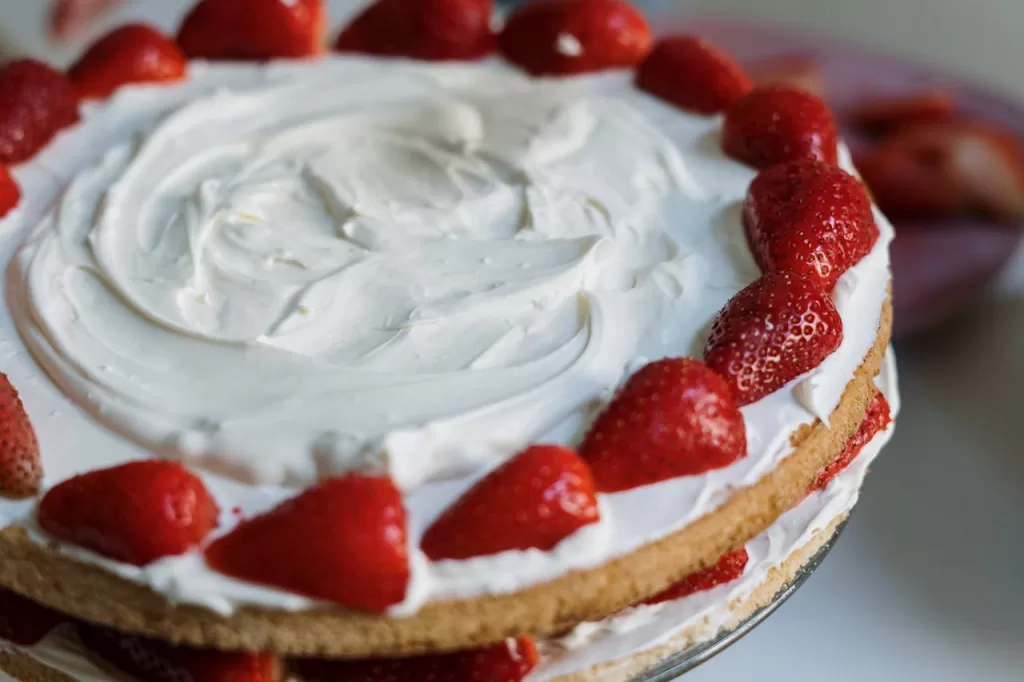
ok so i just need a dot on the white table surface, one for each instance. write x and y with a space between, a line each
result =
926 584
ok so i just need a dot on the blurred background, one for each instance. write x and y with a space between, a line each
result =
926 584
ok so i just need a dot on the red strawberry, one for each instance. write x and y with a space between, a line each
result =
156 661
257 30
509 661
693 74
136 512
342 540
728 568
794 70
433 30
536 499
20 468
136 53
575 36
810 218
36 102
674 417
24 622
771 332
778 123
876 419
879 114
906 185
10 193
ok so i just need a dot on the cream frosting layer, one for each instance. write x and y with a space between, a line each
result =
639 629
280 273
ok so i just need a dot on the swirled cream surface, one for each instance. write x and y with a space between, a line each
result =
278 274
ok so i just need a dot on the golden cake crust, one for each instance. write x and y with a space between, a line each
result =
95 595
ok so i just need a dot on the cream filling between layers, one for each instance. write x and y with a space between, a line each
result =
280 273
640 628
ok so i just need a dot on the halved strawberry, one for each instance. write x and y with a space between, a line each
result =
36 102
693 74
575 36
21 471
10 193
881 113
728 568
876 419
509 661
24 622
778 123
342 540
798 71
535 500
156 661
771 332
136 512
257 30
433 30
674 417
135 53
810 218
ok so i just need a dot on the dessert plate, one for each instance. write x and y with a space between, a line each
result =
939 267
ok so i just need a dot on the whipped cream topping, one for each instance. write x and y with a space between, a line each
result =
604 643
280 273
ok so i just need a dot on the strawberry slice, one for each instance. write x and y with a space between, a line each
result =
136 512
36 102
693 75
21 470
799 71
509 661
876 419
434 30
342 540
810 218
135 53
879 114
254 30
24 622
674 417
536 499
156 661
778 123
728 568
565 37
10 193
771 332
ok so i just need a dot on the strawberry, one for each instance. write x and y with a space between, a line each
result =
810 218
135 53
771 332
36 102
10 193
876 419
778 123
434 30
674 417
879 114
342 540
136 512
693 74
257 30
565 37
20 468
798 71
156 661
509 661
941 169
24 622
728 568
536 499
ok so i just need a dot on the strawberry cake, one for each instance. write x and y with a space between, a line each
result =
466 349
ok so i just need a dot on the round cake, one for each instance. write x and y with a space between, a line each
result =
538 351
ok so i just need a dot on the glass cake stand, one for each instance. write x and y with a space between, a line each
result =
684 661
